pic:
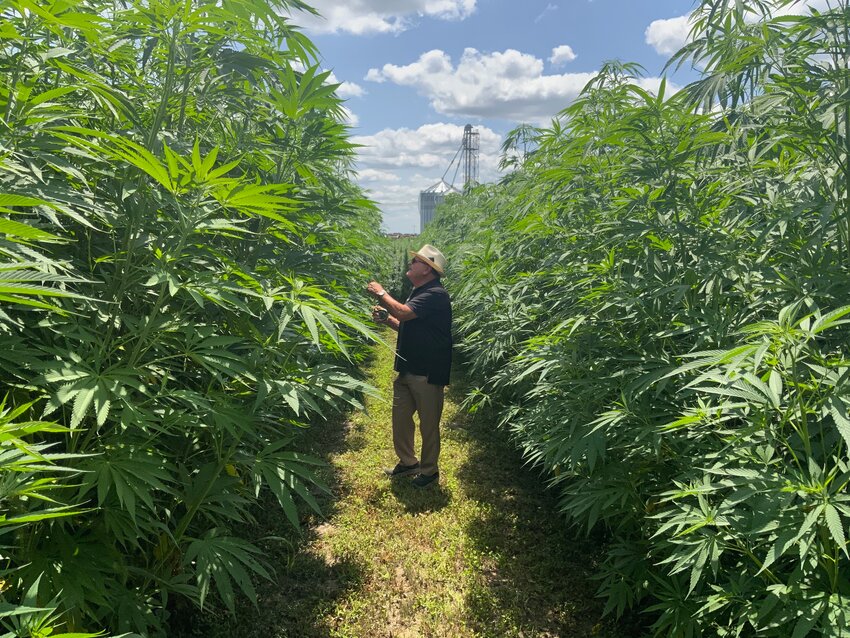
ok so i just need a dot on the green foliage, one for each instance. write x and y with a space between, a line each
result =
182 258
655 300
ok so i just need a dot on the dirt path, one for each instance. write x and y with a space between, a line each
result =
481 555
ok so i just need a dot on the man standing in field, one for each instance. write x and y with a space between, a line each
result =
423 361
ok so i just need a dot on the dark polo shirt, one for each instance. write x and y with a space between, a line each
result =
425 343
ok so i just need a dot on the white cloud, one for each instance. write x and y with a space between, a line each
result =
350 89
562 54
668 36
400 196
379 16
803 7
350 117
507 85
346 89
653 84
431 146
394 165
373 175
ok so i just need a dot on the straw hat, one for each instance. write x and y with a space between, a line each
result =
432 257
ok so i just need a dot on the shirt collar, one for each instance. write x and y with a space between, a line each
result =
430 284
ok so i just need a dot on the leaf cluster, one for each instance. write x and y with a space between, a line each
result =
654 301
182 258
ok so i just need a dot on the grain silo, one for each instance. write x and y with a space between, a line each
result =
468 152
430 198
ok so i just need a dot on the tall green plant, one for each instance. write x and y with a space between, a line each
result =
184 252
654 301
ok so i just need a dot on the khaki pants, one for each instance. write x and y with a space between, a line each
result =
412 393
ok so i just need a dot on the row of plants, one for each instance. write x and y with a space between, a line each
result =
182 262
654 300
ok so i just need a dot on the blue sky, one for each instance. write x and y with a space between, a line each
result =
414 72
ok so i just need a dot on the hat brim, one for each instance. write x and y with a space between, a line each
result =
427 260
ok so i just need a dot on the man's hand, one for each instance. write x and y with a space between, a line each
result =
380 315
375 289
398 312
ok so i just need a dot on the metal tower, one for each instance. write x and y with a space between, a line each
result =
468 151
431 197
469 156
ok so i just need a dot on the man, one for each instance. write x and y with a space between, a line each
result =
423 361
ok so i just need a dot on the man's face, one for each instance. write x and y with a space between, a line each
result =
417 269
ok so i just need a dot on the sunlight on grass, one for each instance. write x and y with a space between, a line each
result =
434 561
482 554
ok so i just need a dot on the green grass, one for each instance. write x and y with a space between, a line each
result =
482 554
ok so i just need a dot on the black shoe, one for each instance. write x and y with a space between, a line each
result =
401 470
424 480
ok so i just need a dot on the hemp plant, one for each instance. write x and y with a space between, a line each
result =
665 278
180 257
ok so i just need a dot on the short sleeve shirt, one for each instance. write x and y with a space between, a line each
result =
425 343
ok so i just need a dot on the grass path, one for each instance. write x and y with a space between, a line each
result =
481 555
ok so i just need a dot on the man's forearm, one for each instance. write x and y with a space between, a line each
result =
398 311
401 312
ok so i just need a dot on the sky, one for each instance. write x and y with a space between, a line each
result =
414 72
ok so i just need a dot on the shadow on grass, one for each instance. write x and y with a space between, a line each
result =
416 501
291 607
305 586
535 577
